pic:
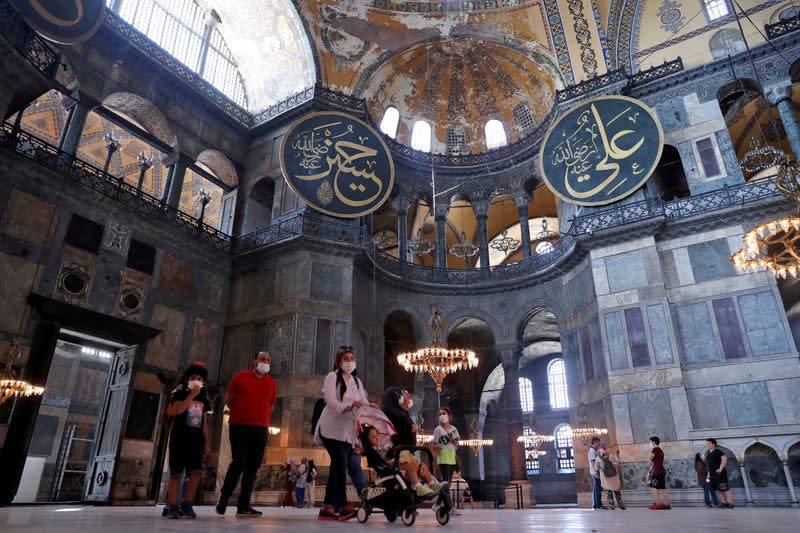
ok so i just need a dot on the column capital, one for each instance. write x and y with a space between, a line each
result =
481 209
401 203
441 210
510 353
522 200
778 93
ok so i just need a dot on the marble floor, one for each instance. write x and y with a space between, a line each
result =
47 519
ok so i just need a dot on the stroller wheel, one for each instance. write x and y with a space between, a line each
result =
391 515
362 514
409 516
442 516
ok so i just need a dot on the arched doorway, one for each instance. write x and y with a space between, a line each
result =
258 213
668 181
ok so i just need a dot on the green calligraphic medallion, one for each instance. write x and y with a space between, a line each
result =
62 21
337 164
601 150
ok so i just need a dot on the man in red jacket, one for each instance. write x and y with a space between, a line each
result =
251 396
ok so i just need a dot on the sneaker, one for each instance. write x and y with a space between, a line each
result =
222 505
248 513
722 506
327 513
622 507
436 487
173 512
654 506
187 510
665 506
347 512
165 511
424 490
731 506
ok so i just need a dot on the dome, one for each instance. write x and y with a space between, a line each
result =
457 86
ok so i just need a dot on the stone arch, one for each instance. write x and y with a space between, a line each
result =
523 315
763 466
669 179
144 113
726 42
456 318
795 442
257 212
420 331
220 166
729 93
793 461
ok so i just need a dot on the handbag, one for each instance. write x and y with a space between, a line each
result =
653 482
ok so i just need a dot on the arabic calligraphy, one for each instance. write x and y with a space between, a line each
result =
337 163
601 151
63 21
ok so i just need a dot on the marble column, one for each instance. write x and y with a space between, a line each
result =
167 183
481 211
176 184
440 216
402 205
522 202
746 482
790 484
71 136
780 96
510 355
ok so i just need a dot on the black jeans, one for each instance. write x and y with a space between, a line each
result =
447 472
344 459
247 449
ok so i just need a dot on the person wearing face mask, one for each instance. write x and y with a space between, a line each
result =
251 396
188 440
445 441
396 404
344 394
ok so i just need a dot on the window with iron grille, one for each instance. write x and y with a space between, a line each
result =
526 395
557 381
456 141
563 436
715 9
531 461
523 118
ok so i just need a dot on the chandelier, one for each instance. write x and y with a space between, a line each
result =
545 234
774 246
273 430
10 386
760 156
474 442
423 439
385 238
463 249
504 243
420 246
533 440
584 432
436 359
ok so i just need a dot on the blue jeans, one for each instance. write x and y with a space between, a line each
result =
344 460
709 494
597 494
299 495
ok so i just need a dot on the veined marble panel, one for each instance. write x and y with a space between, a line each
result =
600 276
622 418
748 404
709 289
785 396
681 415
707 408
659 334
763 325
622 247
682 242
711 260
741 371
645 380
617 350
695 333
651 415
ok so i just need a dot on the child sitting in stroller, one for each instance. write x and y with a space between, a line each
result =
410 466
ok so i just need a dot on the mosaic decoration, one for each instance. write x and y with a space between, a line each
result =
62 21
601 151
560 48
584 38
337 164
671 16
443 6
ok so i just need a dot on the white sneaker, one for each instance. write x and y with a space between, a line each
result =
424 490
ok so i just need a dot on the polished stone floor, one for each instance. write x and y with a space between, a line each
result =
147 519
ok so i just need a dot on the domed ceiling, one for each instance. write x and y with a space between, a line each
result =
459 85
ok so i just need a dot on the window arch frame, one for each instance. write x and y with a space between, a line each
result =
558 399
495 134
526 397
422 132
715 5
390 114
564 448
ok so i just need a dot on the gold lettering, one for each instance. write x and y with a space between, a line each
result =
52 19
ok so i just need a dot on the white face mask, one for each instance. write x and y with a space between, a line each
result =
195 384
263 368
348 366
443 419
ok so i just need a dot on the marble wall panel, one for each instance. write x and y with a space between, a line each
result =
728 326
651 415
164 350
616 341
659 334
681 415
280 344
626 271
204 343
672 115
748 404
763 324
598 354
176 276
600 276
210 291
28 218
680 473
580 290
711 260
669 269
622 419
707 408
586 353
288 280
695 333
18 280
326 282
785 397
637 338
306 328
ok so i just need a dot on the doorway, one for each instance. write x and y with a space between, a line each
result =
65 436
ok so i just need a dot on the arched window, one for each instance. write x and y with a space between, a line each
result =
390 121
557 381
526 395
563 437
190 34
715 9
544 247
495 134
421 136
531 460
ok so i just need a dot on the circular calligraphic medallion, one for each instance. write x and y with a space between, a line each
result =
337 164
601 150
62 21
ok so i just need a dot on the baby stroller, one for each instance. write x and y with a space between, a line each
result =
398 497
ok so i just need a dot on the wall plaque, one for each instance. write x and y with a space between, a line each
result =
62 21
601 150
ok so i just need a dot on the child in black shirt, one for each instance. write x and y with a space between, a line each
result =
188 440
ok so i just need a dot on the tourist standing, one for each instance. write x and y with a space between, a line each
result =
704 481
302 483
396 404
658 475
344 395
251 396
597 490
188 440
445 442
609 477
288 483
311 478
716 461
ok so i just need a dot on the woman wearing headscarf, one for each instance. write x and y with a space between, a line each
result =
396 404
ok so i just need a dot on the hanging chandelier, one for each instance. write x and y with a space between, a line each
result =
463 249
760 157
385 238
533 441
10 386
436 359
775 245
274 430
584 432
474 442
545 234
504 243
423 438
420 246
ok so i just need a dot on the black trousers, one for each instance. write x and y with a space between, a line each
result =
247 449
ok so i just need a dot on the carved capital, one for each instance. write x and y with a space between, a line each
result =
778 93
522 200
441 210
401 204
481 209
510 354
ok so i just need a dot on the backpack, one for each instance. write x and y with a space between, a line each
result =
318 407
609 470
